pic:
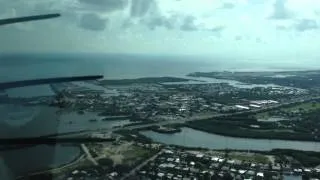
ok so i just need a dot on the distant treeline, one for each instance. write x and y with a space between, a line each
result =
240 126
133 135
306 158
142 80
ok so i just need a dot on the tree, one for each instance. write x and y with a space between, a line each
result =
227 176
122 168
106 162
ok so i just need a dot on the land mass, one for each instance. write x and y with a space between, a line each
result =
298 79
145 80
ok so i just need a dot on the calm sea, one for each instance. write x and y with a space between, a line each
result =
16 67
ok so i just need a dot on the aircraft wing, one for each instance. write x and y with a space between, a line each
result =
27 18
23 83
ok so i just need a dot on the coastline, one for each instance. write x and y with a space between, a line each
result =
177 129
226 134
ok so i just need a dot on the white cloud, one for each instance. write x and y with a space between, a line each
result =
210 27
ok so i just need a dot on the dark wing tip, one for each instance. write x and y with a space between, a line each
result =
33 82
28 18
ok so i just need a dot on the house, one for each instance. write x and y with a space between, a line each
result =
114 174
241 171
260 174
160 174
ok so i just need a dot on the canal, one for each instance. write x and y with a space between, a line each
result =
193 138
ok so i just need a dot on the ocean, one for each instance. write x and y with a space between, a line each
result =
26 66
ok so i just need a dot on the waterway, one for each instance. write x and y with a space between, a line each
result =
193 138
42 157
18 121
292 177
234 83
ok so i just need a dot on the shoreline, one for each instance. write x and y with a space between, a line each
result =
179 126
243 136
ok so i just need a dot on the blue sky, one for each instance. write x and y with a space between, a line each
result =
277 30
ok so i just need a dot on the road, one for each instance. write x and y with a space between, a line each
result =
89 156
134 170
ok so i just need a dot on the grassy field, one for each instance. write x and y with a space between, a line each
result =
305 106
255 158
135 152
263 115
126 153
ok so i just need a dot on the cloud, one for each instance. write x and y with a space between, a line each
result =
238 38
160 21
280 27
305 25
258 40
228 5
188 24
300 25
218 29
127 23
280 10
140 8
105 5
92 22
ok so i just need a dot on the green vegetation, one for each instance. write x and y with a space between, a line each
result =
258 158
241 126
122 168
263 115
307 107
306 158
106 162
143 80
135 152
135 155
144 122
291 112
133 135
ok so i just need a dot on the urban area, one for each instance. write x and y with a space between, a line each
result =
166 105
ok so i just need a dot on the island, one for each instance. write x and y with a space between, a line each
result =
146 80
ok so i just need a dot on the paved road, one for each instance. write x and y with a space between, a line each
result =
134 170
89 156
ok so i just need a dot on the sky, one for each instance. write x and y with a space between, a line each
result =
286 30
